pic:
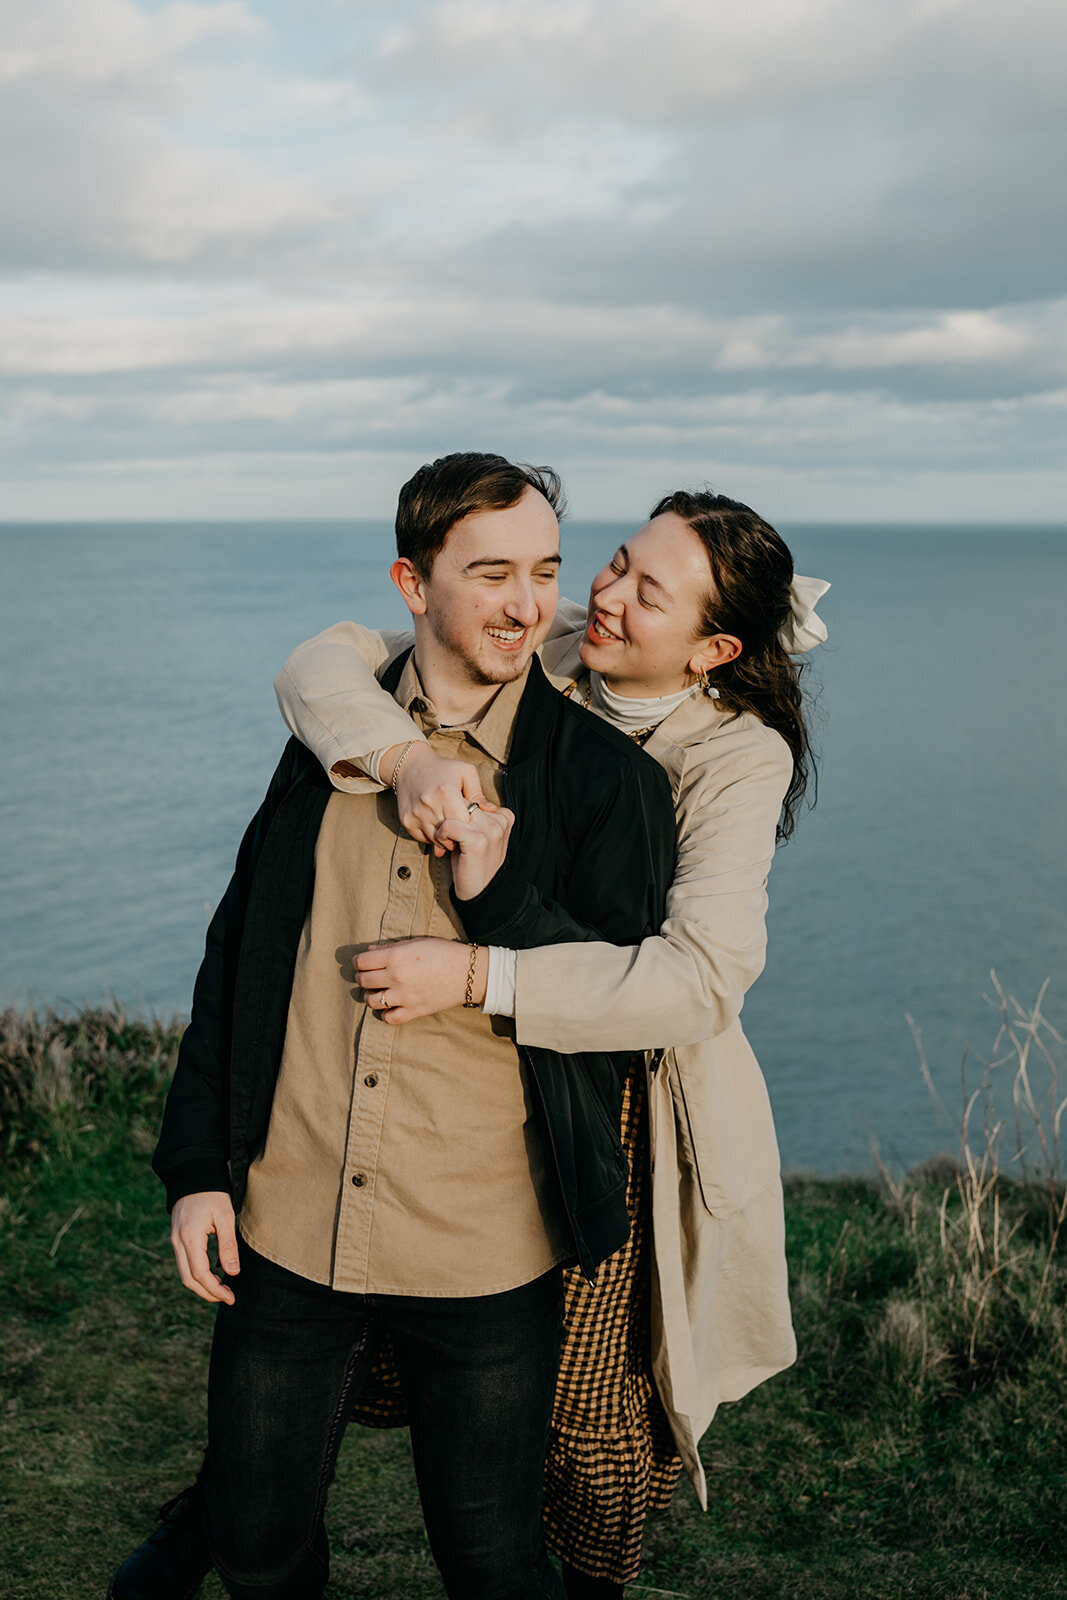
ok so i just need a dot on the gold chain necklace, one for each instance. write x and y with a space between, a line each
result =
638 735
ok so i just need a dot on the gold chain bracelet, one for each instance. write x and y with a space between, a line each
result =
408 748
468 999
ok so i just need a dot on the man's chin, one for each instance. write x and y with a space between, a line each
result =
506 670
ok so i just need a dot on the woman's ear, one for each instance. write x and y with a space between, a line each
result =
409 583
714 652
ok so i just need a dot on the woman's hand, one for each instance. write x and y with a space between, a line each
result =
479 844
430 787
418 977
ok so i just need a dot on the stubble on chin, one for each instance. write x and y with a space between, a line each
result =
504 672
483 670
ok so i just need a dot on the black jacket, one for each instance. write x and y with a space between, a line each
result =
590 857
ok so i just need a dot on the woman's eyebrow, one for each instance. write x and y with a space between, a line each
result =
646 577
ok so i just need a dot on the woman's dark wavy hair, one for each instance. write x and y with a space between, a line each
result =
752 569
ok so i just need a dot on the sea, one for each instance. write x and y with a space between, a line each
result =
139 730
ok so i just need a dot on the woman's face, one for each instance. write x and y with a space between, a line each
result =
643 631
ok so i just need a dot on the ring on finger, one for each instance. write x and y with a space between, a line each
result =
475 805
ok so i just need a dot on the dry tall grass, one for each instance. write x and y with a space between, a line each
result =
986 1228
55 1069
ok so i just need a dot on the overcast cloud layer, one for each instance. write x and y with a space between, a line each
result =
263 258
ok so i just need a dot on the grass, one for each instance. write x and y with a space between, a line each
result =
917 1449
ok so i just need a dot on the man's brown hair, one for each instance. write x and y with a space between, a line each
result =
444 491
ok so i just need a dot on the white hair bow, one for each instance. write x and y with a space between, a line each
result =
804 630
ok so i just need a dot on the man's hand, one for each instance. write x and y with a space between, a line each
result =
192 1222
430 787
418 977
479 844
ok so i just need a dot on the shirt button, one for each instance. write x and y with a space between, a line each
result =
359 1179
403 872
371 1080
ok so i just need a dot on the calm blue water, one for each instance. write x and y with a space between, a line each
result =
139 731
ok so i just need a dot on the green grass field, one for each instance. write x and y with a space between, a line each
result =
918 1448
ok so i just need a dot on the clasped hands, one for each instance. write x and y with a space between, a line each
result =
441 804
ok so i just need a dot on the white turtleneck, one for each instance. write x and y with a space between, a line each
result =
628 714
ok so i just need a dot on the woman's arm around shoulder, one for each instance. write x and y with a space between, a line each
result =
687 982
329 694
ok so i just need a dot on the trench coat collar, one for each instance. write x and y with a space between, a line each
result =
695 720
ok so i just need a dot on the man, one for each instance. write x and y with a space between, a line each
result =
423 1184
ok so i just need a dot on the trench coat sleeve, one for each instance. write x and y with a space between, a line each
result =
330 697
688 982
191 1156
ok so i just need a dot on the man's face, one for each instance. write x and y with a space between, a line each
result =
492 591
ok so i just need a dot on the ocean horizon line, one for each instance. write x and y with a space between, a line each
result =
827 524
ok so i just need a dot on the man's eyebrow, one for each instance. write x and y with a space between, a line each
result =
646 577
507 561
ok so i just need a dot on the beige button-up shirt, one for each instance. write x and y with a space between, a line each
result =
399 1160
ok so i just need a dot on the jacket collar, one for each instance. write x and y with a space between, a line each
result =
538 709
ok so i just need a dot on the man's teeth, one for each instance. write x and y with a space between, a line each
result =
509 635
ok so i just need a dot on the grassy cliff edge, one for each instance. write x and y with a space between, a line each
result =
918 1448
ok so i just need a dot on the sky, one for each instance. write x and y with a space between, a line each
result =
260 258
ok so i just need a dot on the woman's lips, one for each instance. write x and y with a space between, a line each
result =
595 637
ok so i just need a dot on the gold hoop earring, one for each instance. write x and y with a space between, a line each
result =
704 681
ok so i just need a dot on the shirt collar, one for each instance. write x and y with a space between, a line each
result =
494 730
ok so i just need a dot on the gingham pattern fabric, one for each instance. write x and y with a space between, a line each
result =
611 1458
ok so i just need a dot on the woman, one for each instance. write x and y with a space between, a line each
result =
685 645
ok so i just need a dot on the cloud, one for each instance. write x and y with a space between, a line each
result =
539 347
108 158
805 152
683 60
803 236
116 46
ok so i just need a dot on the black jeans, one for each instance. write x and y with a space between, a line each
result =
287 1361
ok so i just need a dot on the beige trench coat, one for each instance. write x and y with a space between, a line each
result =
720 1307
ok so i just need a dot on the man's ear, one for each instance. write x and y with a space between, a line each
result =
410 585
714 652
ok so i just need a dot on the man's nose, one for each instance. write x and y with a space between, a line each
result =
522 605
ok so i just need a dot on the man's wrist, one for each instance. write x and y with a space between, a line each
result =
206 1175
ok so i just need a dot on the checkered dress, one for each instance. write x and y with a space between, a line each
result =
611 1457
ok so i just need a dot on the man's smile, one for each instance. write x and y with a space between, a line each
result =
507 636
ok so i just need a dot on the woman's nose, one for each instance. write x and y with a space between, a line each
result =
609 596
